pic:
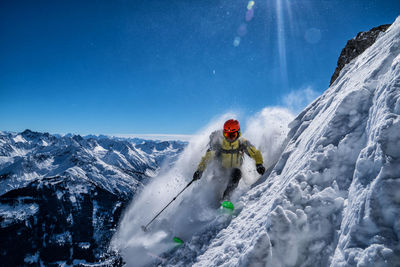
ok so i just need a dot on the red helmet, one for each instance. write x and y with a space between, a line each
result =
231 129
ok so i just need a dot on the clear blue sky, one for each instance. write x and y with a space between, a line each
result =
166 66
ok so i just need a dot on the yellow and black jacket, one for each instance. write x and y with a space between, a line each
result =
230 154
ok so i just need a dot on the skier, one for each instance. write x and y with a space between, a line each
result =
227 147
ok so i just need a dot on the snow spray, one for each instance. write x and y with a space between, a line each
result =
195 208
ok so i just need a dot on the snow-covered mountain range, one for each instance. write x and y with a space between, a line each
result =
61 196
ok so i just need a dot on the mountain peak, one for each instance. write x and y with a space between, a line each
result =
356 46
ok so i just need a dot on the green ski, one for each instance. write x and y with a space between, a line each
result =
227 205
178 241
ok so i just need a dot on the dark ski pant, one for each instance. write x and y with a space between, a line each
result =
235 175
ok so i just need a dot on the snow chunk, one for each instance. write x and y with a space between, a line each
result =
19 138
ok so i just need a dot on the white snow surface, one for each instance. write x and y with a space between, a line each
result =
332 199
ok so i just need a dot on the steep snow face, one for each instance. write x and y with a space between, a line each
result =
333 198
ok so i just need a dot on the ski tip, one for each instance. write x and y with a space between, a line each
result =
227 205
177 240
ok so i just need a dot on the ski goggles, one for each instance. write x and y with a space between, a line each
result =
231 135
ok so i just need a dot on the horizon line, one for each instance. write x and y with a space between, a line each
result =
161 137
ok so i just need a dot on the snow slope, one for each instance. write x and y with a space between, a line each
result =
333 199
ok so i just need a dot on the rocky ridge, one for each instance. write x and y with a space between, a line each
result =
356 47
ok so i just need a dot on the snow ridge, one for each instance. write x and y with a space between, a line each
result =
333 197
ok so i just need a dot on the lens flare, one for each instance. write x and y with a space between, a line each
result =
249 14
242 29
250 5
236 42
281 43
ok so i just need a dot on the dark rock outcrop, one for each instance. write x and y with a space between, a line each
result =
57 225
356 46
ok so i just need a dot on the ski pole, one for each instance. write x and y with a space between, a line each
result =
144 228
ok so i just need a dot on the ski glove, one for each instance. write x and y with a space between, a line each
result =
260 169
197 175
